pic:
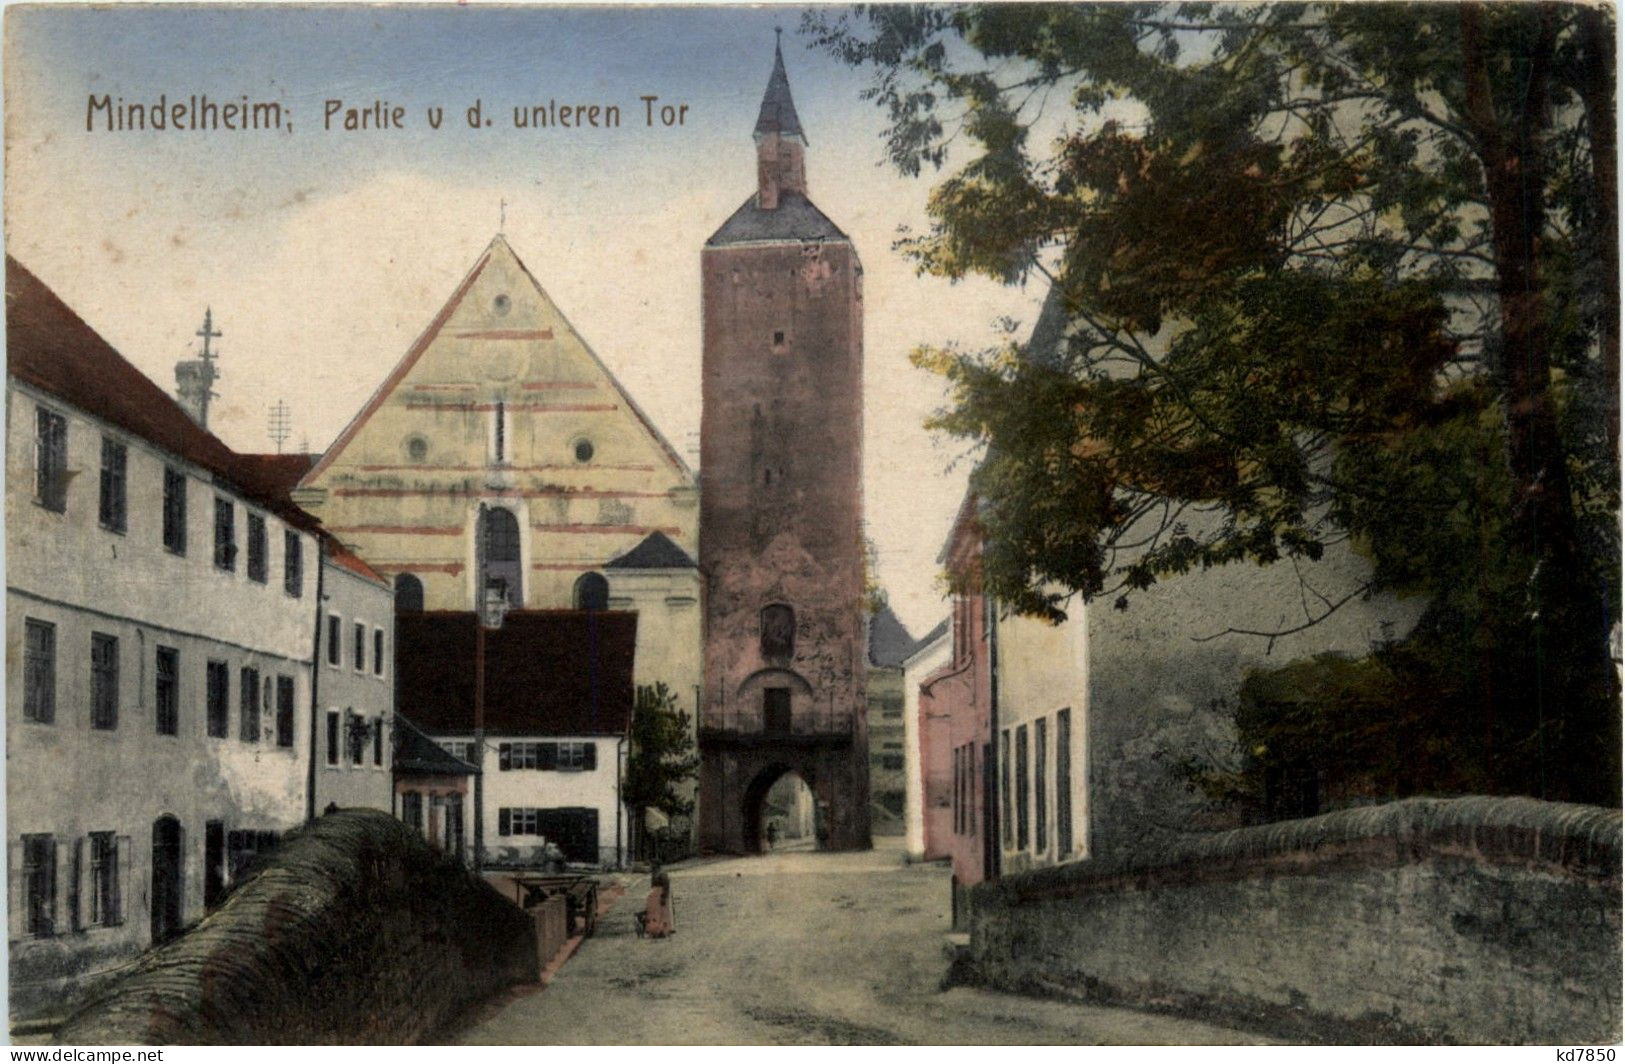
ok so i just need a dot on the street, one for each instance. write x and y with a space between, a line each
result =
799 948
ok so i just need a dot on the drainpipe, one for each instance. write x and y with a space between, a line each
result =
315 683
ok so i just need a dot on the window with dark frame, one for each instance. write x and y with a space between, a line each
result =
412 810
501 432
174 511
1040 794
1004 789
378 743
284 710
360 646
335 637
333 737
778 623
355 727
39 671
39 885
377 651
225 534
258 563
545 756
103 681
1063 782
166 691
1023 789
106 907
293 563
112 509
217 698
776 710
51 460
248 714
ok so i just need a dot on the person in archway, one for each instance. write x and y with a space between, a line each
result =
658 921
772 833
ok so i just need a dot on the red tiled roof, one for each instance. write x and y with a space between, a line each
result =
345 558
547 672
50 348
279 471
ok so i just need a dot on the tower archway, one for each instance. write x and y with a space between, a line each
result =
780 810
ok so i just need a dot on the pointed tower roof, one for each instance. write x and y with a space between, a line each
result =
778 114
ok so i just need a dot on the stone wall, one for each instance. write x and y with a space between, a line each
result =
355 932
1473 920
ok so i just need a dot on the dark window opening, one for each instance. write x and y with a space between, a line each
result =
167 854
499 543
39 671
378 743
218 699
225 534
1063 782
248 723
175 511
258 564
284 710
408 594
106 907
332 737
1023 789
778 632
592 592
166 691
377 651
776 709
335 635
1040 794
214 863
293 564
51 460
113 509
501 432
359 645
39 884
103 681
583 450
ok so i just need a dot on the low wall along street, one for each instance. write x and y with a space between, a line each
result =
356 931
1468 920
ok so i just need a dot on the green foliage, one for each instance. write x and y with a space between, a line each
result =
1316 273
662 756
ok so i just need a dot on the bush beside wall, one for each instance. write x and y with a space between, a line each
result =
356 931
1472 920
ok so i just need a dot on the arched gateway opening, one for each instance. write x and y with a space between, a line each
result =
782 813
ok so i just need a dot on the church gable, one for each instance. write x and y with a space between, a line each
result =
500 406
501 339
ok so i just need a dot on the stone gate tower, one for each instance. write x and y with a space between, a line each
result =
781 539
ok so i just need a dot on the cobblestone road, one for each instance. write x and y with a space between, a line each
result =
799 949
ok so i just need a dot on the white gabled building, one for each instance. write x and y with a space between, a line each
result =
160 608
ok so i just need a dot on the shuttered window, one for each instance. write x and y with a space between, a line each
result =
175 511
103 681
166 691
39 885
112 508
258 563
39 671
248 719
218 699
51 460
284 710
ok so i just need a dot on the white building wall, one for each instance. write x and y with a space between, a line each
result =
598 789
922 663
364 692
66 779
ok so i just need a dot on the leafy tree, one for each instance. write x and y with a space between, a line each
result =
662 754
1317 272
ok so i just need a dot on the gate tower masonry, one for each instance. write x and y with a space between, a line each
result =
781 537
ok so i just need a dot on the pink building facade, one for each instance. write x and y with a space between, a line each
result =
957 724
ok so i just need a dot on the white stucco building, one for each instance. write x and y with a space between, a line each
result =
929 654
160 606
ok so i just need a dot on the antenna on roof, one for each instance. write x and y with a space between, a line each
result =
280 421
194 378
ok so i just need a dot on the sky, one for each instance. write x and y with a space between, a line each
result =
323 253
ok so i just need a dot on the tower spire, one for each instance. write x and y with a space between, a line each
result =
780 166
